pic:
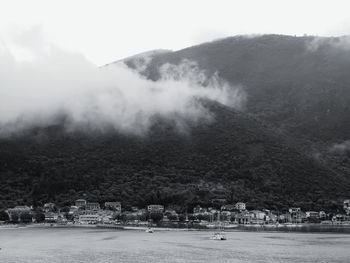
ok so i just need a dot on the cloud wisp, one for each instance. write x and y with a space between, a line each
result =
54 82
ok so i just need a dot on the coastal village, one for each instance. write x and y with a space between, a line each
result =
112 214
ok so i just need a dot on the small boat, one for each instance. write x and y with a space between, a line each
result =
218 236
149 230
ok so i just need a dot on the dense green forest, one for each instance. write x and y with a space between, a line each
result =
275 153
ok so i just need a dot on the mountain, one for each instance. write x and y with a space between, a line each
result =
300 84
274 153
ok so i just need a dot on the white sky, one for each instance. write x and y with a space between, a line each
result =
106 30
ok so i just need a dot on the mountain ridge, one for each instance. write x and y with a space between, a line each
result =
272 154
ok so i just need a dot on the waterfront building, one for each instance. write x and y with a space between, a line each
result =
89 219
51 217
73 210
92 206
242 217
312 214
80 203
285 218
116 206
295 215
322 215
257 216
155 208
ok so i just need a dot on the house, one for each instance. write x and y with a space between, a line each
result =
257 216
107 219
285 218
346 206
155 208
242 217
312 216
73 209
92 206
80 203
341 218
51 217
116 206
270 216
295 215
89 219
322 215
240 206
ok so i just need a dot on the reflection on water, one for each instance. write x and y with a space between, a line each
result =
86 245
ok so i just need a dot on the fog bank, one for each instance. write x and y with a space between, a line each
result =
54 82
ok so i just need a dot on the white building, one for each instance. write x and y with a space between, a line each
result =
294 210
155 208
89 219
51 217
240 206
92 206
312 214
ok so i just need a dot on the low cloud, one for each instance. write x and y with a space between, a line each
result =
342 43
341 148
54 84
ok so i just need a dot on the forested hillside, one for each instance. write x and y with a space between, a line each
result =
276 152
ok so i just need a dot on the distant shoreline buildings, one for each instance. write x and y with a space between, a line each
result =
84 212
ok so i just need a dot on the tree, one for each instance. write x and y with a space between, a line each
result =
39 217
26 217
203 217
172 217
156 217
182 217
14 218
143 217
4 216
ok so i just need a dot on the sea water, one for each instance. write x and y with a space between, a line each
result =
99 245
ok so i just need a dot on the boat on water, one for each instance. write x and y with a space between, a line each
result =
149 230
218 236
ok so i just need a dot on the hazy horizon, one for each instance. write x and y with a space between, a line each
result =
105 31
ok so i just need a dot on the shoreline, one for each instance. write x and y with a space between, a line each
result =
303 228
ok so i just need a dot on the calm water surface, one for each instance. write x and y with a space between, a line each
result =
90 245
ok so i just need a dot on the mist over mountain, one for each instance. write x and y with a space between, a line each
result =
297 83
262 119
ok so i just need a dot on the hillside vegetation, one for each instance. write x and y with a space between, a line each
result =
275 153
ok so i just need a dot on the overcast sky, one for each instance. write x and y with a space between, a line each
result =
105 30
